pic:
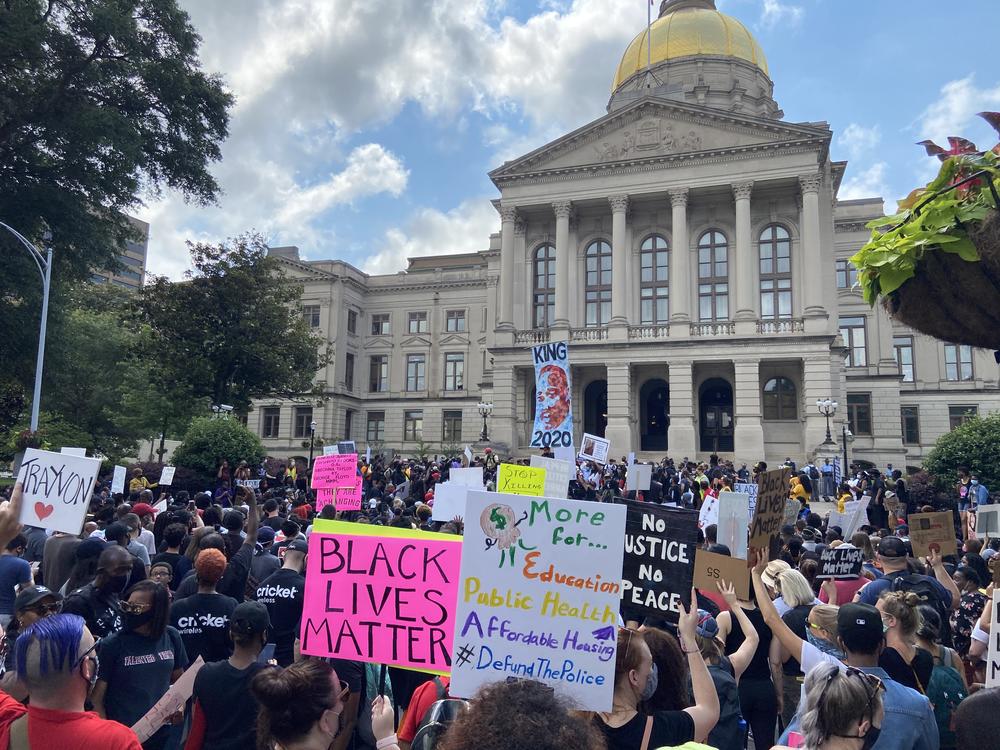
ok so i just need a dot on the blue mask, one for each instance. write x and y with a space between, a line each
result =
975 482
651 683
825 646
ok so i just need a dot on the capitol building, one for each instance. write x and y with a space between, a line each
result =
689 245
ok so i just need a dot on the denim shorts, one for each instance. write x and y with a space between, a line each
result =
964 505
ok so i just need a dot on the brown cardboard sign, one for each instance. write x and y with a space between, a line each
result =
710 568
772 491
932 531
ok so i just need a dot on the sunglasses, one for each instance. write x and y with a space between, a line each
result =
873 685
135 609
44 610
91 654
628 643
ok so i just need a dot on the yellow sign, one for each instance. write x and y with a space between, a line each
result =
521 480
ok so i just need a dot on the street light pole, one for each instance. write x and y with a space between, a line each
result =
312 437
485 409
44 264
827 408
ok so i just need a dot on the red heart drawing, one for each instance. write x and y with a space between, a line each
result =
43 511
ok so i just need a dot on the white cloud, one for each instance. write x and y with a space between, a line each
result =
774 13
869 183
953 113
857 139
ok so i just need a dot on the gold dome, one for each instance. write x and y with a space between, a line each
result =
690 30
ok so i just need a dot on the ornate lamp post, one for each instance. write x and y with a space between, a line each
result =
827 408
485 410
312 438
848 437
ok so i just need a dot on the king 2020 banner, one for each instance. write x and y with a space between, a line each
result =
553 410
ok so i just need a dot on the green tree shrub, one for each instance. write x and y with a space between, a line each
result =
209 440
975 445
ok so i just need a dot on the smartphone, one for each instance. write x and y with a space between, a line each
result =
266 654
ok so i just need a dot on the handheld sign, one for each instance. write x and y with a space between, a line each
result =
734 519
553 427
841 562
335 470
660 545
748 488
118 481
557 475
449 501
169 703
595 448
521 480
330 450
987 521
468 455
709 568
252 484
167 476
57 489
792 508
638 477
932 531
347 446
539 593
993 655
471 477
708 514
771 494
74 451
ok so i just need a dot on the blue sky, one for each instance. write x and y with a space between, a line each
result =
364 130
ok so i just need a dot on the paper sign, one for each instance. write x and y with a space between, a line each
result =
565 453
335 470
748 488
167 476
709 512
841 562
57 489
630 459
514 479
771 495
73 451
118 481
368 455
384 599
595 448
539 595
172 701
558 475
251 483
987 521
932 531
160 506
553 424
470 477
657 573
857 512
734 520
710 568
346 446
449 501
468 455
638 477
993 655
792 510
342 498
330 450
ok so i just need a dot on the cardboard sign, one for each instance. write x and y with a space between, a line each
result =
118 481
841 562
253 484
638 477
993 655
558 475
748 488
57 489
381 595
335 470
734 520
595 448
513 479
932 531
710 568
553 425
660 545
770 512
449 501
167 476
170 703
539 595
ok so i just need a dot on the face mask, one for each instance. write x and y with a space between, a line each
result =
975 482
825 646
871 737
651 683
134 622
117 584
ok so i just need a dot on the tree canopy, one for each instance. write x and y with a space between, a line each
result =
974 445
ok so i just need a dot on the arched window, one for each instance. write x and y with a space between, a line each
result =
544 286
713 276
779 399
775 273
653 282
598 291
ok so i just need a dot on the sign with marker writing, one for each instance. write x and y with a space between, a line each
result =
748 488
558 474
253 484
514 479
659 548
841 562
330 450
638 477
335 470
57 489
708 514
993 654
932 531
381 595
342 498
118 481
734 520
987 521
538 596
347 446
170 703
792 510
770 512
595 448
167 476
710 568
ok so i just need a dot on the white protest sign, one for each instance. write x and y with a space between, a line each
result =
172 701
449 501
57 489
167 475
331 450
987 521
557 475
73 451
631 458
638 477
251 483
565 453
748 488
160 506
469 477
709 513
993 656
118 481
734 521
539 593
857 512
595 448
843 520
468 455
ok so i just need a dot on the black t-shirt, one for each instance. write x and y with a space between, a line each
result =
172 559
233 582
669 728
351 672
282 594
915 675
203 622
99 609
274 522
797 618
223 692
758 668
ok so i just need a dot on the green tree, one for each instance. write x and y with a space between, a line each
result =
975 445
232 330
209 440
100 101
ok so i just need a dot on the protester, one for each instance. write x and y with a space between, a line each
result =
798 595
161 572
202 619
902 661
58 559
97 602
977 720
15 573
300 705
173 537
31 605
970 606
283 593
670 695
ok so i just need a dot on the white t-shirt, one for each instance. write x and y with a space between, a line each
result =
812 656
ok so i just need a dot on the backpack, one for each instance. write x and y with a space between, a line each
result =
928 594
728 733
945 691
813 472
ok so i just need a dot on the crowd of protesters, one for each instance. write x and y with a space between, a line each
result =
97 626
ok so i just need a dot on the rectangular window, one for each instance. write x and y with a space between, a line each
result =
598 307
859 413
381 325
957 362
452 430
852 330
271 418
348 423
349 371
910 419
375 429
713 302
775 298
454 372
958 415
413 424
378 374
303 421
352 322
455 320
416 365
903 345
847 274
310 314
417 322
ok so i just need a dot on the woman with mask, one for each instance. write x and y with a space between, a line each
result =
139 663
901 658
636 679
300 705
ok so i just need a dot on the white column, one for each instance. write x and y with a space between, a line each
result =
680 266
505 318
562 210
619 261
619 429
812 255
503 420
680 433
748 432
742 263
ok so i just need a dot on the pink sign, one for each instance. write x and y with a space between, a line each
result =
335 470
343 498
386 599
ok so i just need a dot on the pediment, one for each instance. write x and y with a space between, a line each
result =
415 341
378 343
454 340
657 129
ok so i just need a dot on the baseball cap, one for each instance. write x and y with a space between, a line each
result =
860 627
265 535
143 509
773 570
251 617
707 626
31 595
298 545
892 546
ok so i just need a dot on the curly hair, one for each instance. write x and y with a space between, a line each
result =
209 566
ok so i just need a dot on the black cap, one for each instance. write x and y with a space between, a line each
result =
249 618
30 596
892 546
860 627
298 545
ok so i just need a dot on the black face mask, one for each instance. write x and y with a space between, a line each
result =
871 737
117 584
136 621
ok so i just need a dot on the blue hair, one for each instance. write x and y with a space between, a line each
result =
58 639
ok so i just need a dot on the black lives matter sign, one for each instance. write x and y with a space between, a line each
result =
841 562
